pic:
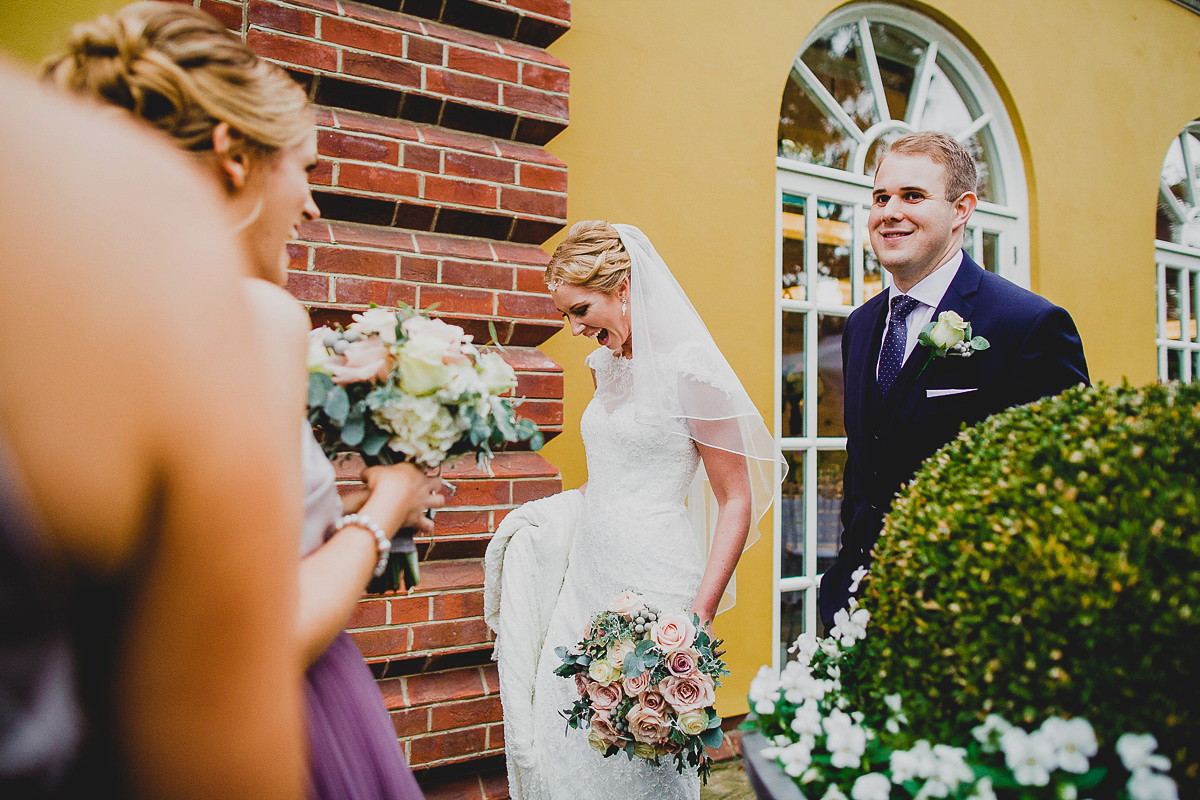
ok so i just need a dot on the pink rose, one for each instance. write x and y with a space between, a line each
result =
628 603
648 726
604 697
602 725
689 693
682 662
365 360
653 701
637 684
581 683
452 335
673 631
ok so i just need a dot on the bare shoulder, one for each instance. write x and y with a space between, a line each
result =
275 307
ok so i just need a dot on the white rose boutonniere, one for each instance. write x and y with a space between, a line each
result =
950 335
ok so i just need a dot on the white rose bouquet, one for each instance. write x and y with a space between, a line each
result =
399 386
646 682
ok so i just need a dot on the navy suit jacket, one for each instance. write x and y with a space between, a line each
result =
1035 352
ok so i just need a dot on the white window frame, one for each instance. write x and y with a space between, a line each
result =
1185 259
1008 220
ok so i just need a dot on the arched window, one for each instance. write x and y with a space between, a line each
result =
868 74
1177 255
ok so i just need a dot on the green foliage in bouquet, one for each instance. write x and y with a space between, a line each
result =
1045 562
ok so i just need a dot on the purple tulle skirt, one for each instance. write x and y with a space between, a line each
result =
353 752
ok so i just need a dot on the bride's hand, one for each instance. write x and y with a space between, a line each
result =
400 494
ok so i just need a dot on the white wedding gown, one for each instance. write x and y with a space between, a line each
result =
634 534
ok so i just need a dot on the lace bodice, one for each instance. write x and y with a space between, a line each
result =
628 461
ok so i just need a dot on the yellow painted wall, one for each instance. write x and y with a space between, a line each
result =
31 29
674 108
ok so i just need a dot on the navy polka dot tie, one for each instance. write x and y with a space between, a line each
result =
891 356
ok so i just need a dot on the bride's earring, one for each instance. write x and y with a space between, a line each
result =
623 306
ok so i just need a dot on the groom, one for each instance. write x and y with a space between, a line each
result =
898 410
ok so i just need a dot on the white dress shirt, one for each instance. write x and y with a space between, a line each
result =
928 293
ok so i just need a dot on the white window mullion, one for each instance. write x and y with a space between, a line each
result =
867 53
805 77
916 107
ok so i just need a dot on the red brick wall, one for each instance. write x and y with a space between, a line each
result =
435 189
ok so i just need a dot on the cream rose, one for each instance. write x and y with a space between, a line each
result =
673 631
949 330
693 723
692 693
682 662
423 368
628 603
646 751
495 373
602 672
617 652
375 322
647 726
365 360
604 696
597 741
637 684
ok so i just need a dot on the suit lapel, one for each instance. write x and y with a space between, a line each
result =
868 351
909 388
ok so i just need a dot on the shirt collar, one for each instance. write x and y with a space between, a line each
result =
933 286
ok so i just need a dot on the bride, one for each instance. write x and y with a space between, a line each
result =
680 469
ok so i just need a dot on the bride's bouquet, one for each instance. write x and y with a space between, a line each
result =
646 681
399 386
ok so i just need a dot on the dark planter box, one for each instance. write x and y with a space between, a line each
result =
767 779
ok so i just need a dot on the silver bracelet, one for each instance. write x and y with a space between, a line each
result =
382 543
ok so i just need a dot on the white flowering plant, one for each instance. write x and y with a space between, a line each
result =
646 681
830 752
397 386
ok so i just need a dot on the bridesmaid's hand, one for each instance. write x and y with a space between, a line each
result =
400 496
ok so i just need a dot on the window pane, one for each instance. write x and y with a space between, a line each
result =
793 277
835 236
1174 324
1174 367
791 621
1196 366
982 149
947 110
807 134
792 377
830 386
898 53
791 515
830 466
837 61
991 252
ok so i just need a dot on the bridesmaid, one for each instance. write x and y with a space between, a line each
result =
249 127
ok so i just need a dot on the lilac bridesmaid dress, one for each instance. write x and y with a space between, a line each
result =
353 752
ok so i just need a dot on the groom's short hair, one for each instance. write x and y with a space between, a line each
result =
961 175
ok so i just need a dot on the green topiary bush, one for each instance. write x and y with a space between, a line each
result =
1047 561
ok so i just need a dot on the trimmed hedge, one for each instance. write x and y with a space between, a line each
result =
1047 561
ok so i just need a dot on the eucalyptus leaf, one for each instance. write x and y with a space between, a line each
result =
337 404
355 427
374 440
319 385
980 343
712 737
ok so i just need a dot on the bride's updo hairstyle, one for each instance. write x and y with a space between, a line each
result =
591 257
183 72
